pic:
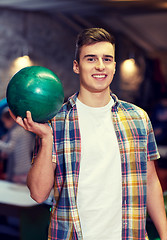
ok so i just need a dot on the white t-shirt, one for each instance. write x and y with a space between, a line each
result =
99 196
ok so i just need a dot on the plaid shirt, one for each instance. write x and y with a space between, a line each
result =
137 146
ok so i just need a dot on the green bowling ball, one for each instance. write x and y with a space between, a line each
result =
36 89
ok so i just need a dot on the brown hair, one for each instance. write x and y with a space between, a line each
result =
6 114
92 35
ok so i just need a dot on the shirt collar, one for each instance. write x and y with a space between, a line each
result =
116 101
73 98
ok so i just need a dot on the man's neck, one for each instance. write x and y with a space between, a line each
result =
94 99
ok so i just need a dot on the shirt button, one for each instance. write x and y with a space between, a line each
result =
125 223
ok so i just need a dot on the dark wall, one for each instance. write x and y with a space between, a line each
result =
48 43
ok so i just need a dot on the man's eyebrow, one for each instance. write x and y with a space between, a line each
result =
90 55
109 56
93 55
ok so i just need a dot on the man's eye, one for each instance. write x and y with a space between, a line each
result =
107 60
91 59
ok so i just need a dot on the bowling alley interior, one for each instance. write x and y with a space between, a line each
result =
43 33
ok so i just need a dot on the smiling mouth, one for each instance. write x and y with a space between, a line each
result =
99 76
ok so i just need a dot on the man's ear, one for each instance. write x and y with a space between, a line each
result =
115 67
76 67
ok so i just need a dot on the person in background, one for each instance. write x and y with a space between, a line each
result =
17 147
99 155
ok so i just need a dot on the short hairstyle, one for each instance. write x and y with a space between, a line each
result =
5 113
92 35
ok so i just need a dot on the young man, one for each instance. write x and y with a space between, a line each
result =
98 155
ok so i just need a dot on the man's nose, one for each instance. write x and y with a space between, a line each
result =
100 64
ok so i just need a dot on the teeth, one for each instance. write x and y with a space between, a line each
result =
99 76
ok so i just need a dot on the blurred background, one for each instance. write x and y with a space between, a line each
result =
40 32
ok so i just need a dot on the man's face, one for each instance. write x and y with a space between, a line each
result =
8 123
96 67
